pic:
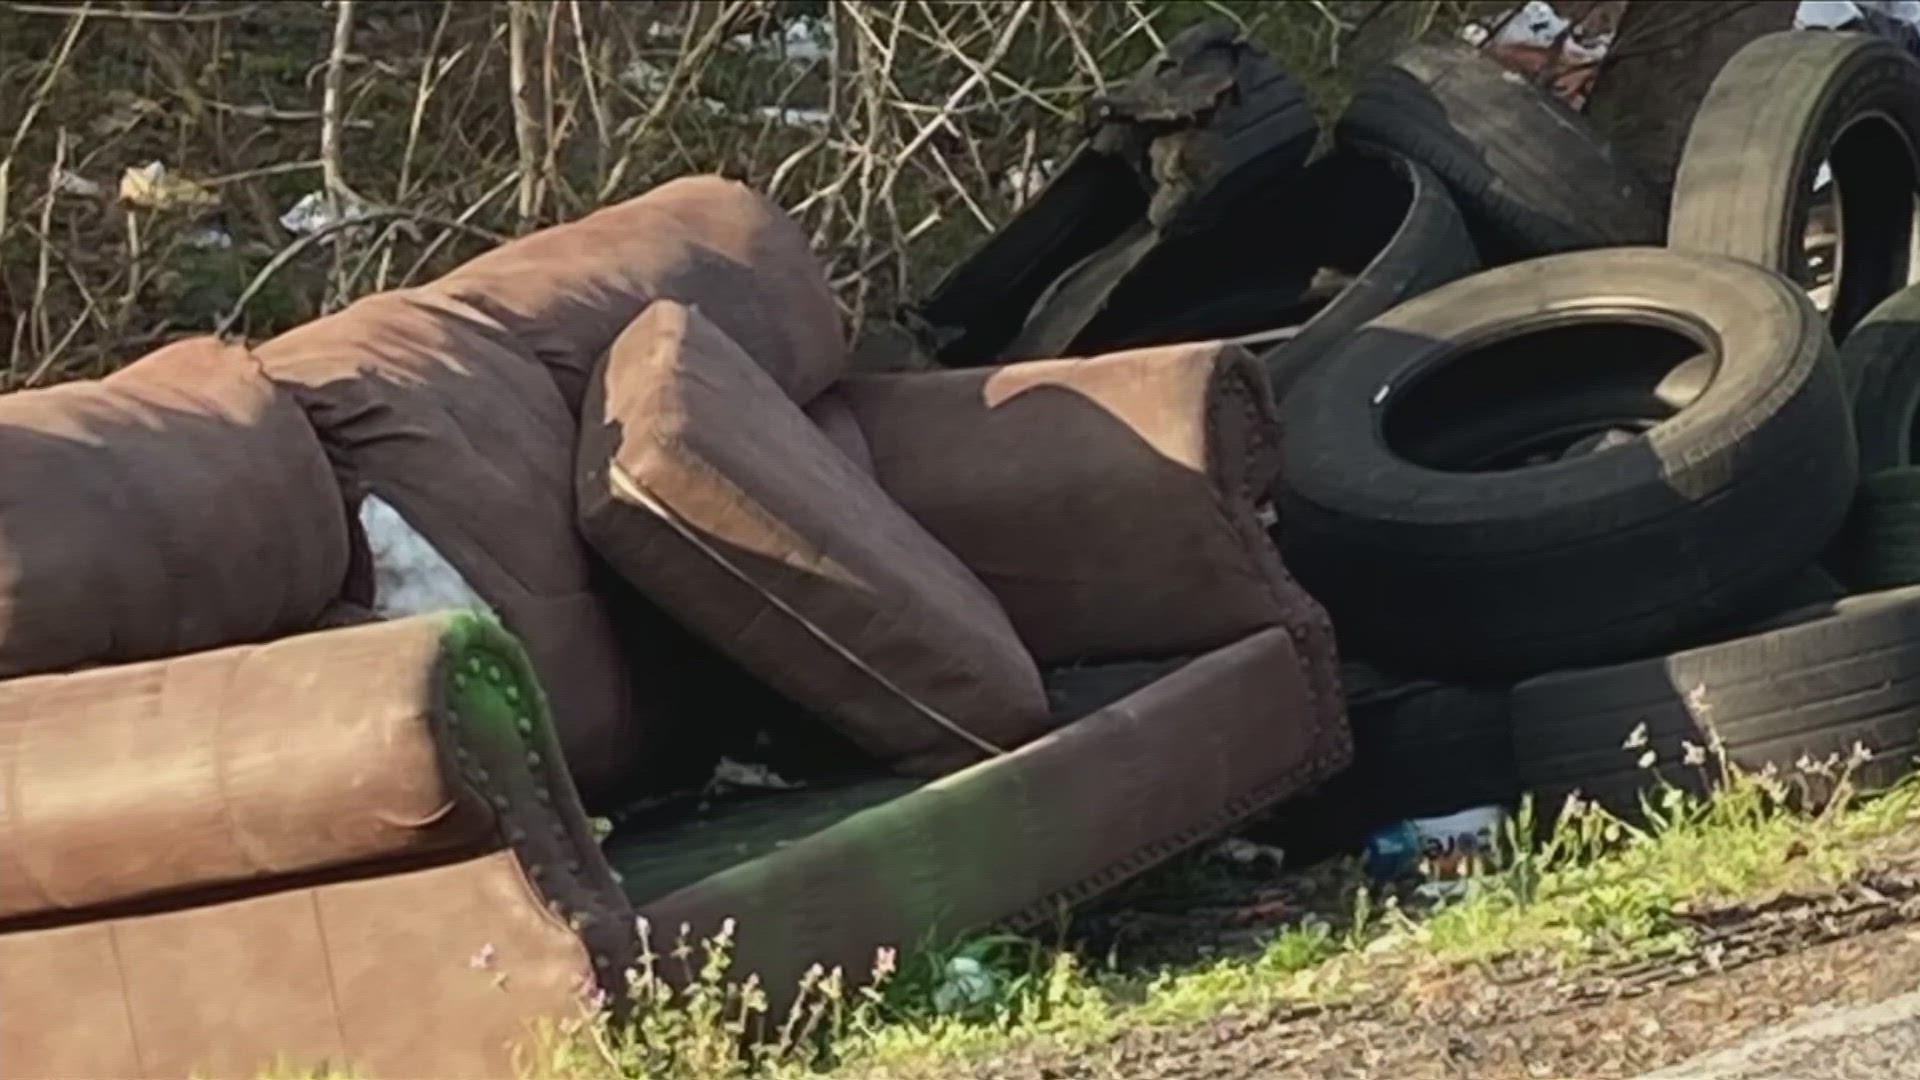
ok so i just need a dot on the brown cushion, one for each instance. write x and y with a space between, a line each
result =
709 489
1108 501
179 504
831 413
565 292
425 403
194 771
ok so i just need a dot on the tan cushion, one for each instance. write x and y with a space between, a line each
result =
179 504
709 489
565 292
1108 501
194 772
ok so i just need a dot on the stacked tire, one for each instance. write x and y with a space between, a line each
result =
1625 497
1615 478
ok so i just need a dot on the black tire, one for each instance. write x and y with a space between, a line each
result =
1881 361
1624 552
1782 105
1810 587
1813 685
1421 749
1109 191
1373 215
1531 175
1426 247
1881 546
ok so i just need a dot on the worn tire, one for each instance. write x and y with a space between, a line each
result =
1108 193
1881 546
1811 685
1428 247
1421 749
1810 587
1881 361
1782 105
1373 214
1605 556
1531 176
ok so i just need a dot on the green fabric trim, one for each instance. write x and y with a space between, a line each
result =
490 680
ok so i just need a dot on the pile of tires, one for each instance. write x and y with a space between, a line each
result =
1594 485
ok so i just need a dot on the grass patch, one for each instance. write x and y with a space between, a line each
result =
1589 888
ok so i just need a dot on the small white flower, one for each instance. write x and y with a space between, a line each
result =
1647 759
1697 699
1636 738
1692 754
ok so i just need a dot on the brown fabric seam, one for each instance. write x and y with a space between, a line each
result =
228 892
10 793
1237 381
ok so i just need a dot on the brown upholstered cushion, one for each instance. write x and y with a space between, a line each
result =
1108 502
427 404
834 417
565 292
709 489
194 771
179 504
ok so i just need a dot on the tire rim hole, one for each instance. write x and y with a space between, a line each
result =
1277 264
1544 396
1850 259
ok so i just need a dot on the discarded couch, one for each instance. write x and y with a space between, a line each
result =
249 819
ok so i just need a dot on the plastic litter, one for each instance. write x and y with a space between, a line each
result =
1443 850
967 984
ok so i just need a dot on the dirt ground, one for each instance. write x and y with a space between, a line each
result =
1751 967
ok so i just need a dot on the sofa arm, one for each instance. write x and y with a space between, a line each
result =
1110 503
383 745
1010 842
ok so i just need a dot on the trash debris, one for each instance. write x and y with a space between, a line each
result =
67 182
804 39
729 774
1540 45
153 187
967 984
1023 182
411 577
1537 25
1439 849
644 75
812 119
311 214
1842 14
1246 853
1898 21
208 239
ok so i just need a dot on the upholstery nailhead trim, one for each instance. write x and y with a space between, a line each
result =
548 856
1326 757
